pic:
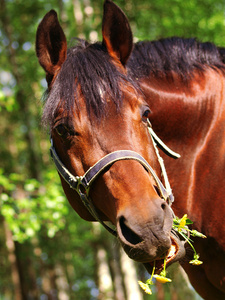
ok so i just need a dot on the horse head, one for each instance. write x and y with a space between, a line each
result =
98 120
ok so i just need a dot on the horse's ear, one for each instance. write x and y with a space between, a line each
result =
116 32
51 46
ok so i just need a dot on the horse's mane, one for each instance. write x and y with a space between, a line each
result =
178 55
88 69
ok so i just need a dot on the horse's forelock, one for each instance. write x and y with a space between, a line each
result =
89 71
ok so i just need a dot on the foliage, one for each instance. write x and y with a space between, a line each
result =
160 19
27 205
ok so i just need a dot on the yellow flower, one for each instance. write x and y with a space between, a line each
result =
162 279
145 287
196 262
182 222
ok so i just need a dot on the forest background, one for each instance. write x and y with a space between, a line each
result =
46 250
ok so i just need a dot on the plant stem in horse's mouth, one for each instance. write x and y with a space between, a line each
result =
180 226
166 258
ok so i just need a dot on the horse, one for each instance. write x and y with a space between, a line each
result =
103 99
183 82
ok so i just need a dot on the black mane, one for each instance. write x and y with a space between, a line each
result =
178 55
90 67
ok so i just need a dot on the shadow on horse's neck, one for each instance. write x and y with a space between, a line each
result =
184 113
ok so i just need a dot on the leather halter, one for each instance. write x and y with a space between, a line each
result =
82 184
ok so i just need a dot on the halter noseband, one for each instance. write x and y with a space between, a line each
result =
82 184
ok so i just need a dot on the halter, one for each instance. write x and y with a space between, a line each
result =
82 184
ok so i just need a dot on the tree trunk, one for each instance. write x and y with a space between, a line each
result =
13 262
130 278
120 293
62 283
105 284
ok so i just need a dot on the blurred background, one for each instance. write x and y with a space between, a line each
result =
46 250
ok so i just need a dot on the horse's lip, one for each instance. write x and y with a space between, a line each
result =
175 253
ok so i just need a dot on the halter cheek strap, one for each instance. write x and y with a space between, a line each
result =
82 184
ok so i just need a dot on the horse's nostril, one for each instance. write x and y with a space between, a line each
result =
163 206
128 233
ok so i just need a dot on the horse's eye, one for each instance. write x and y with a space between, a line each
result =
146 114
62 130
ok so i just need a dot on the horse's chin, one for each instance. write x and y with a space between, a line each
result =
175 253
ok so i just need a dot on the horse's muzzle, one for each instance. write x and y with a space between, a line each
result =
148 238
176 253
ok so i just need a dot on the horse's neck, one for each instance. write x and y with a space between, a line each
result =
191 121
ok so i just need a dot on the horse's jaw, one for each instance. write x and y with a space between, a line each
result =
176 253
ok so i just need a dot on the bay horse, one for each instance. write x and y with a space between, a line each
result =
183 82
101 97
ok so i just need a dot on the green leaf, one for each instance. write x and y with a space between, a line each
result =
189 222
